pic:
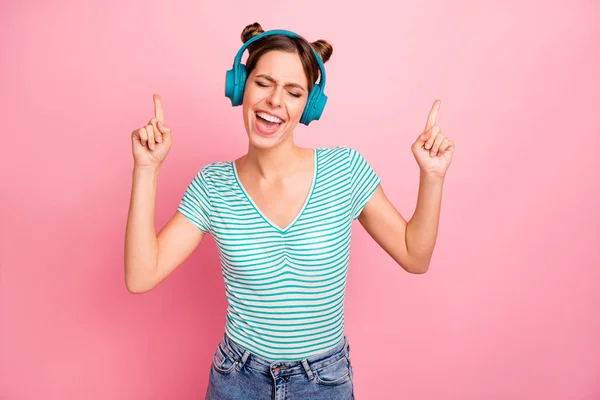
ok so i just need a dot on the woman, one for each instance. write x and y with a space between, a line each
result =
281 217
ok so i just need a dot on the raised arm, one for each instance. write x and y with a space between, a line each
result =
411 243
150 258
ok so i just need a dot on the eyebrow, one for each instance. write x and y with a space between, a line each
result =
271 79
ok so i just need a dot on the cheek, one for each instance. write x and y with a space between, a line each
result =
298 108
248 101
255 92
249 93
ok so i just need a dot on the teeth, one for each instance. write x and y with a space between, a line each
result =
269 118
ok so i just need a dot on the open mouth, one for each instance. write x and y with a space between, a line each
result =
267 124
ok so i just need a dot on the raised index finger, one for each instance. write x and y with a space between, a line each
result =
158 111
432 114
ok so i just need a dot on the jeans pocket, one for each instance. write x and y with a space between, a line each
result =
222 362
333 374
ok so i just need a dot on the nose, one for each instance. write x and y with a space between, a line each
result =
274 98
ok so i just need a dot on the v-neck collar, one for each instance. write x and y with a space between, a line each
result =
293 222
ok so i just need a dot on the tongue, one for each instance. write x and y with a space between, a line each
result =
267 126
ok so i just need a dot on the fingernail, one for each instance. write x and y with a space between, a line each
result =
159 139
428 146
152 147
431 154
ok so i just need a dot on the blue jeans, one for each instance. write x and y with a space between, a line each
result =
237 374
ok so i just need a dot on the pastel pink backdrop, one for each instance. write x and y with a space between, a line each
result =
509 308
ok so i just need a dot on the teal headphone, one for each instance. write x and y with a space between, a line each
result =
235 81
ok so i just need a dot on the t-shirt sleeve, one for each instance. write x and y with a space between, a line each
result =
363 181
195 203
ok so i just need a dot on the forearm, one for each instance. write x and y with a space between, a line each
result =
422 229
141 247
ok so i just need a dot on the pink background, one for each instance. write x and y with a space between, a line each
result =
509 308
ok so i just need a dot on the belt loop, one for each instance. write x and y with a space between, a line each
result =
243 361
347 348
307 369
224 339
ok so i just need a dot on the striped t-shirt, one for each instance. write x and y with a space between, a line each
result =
285 287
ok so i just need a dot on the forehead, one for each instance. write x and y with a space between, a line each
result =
282 65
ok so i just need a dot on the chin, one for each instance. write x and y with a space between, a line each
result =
264 142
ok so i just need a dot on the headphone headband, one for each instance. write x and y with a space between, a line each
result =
240 53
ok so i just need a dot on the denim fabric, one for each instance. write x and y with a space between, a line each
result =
236 374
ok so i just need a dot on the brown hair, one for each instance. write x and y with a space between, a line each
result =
287 44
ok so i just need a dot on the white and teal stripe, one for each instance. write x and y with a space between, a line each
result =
285 287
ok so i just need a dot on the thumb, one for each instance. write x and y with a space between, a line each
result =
163 128
424 137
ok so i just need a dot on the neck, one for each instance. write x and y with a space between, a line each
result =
275 162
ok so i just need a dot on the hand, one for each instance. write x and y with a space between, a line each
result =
432 150
151 143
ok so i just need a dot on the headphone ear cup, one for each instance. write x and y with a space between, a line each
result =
314 105
319 105
240 84
230 86
235 82
305 118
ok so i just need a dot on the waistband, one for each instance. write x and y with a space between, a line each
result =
284 368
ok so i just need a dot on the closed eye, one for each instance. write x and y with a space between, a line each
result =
264 85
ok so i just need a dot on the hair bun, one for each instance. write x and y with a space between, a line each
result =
250 31
323 49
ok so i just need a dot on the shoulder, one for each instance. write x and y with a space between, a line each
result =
334 153
339 155
216 169
214 174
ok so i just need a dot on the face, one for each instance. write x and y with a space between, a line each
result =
274 98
